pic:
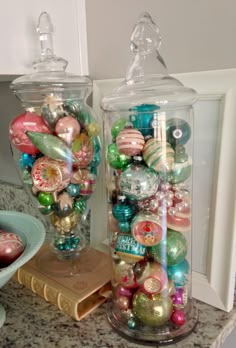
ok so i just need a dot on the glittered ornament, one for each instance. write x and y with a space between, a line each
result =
65 224
158 155
28 121
128 249
152 310
93 129
67 129
49 175
179 273
142 116
178 317
116 159
130 141
51 146
52 110
80 205
11 247
118 126
146 229
178 131
138 181
171 250
83 150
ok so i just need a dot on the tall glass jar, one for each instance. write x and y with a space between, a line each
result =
56 145
149 142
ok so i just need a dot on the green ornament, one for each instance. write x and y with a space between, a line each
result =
178 131
171 250
117 127
80 206
116 159
51 146
45 210
152 310
45 198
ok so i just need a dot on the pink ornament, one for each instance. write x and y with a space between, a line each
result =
26 122
88 185
178 317
11 247
177 222
177 298
123 302
130 142
122 291
67 128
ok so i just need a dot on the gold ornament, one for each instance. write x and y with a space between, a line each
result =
65 224
93 129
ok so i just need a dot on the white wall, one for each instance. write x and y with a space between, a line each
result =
197 34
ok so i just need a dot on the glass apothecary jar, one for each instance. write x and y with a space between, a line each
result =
149 142
56 145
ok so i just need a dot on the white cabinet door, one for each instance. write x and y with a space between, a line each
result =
19 39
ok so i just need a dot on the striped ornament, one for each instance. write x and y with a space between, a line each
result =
130 142
158 155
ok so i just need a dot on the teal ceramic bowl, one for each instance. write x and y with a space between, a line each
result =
32 233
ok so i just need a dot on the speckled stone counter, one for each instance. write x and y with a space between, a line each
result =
32 322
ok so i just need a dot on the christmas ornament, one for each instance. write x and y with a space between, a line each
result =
142 118
156 280
118 126
178 131
130 141
152 310
132 323
122 211
27 161
146 229
123 274
88 185
158 155
93 129
178 222
138 182
83 150
128 249
67 243
11 247
45 199
179 273
116 159
123 302
51 146
72 107
178 317
64 205
177 297
28 121
67 129
73 190
80 205
52 110
65 224
171 250
49 175
122 291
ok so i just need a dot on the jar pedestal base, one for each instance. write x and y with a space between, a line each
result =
164 335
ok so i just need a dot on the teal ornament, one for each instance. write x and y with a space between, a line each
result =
132 323
138 181
128 249
171 250
122 212
27 161
118 126
178 131
142 118
96 144
45 210
116 159
67 243
52 146
96 160
124 226
73 190
179 273
80 205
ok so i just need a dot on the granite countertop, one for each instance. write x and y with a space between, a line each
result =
32 322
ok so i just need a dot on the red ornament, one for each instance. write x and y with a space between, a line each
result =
178 317
28 121
11 247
